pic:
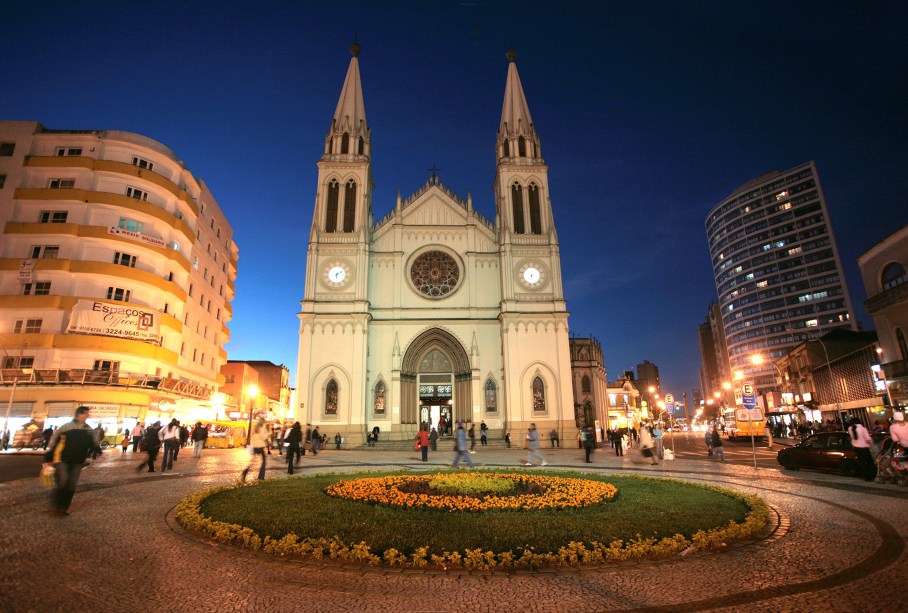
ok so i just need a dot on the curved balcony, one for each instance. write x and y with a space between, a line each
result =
117 200
104 269
122 168
66 303
103 344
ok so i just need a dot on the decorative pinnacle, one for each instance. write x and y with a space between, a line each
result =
355 49
511 55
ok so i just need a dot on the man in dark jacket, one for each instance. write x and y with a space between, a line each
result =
69 446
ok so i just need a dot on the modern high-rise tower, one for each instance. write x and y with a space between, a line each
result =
777 270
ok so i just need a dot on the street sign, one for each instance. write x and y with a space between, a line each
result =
670 408
749 414
669 399
748 397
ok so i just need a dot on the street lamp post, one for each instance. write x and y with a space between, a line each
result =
252 391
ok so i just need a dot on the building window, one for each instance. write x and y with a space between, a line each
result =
66 151
362 146
118 293
521 147
538 395
893 274
45 252
900 341
131 225
24 361
345 143
28 326
585 385
491 394
331 398
379 403
124 259
108 365
41 288
53 217
331 207
517 203
349 206
135 192
6 149
142 163
535 211
61 184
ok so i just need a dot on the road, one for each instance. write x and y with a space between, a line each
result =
690 446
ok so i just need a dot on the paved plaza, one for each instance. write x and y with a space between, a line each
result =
835 544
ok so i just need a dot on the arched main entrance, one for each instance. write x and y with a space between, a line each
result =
436 362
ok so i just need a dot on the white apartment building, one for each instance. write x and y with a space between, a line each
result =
117 270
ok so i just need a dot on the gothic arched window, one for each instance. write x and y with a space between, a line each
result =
521 147
362 146
349 206
893 274
900 340
517 203
538 395
491 393
585 385
378 406
535 214
331 207
331 398
345 143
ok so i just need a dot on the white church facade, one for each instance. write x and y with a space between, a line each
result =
433 312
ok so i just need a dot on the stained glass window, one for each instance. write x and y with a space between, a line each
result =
434 274
331 398
585 384
538 395
491 397
379 397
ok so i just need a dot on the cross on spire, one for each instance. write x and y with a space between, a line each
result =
433 178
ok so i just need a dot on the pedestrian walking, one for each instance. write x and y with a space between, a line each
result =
483 434
124 444
460 446
257 442
433 439
647 445
617 439
316 440
137 433
338 439
184 438
48 432
716 443
589 443
768 433
861 441
170 438
307 440
658 442
472 435
294 439
199 436
507 440
708 439
532 440
898 431
151 444
422 439
69 447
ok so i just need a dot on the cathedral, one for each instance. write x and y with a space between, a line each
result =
433 314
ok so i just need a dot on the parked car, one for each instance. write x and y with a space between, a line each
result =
826 451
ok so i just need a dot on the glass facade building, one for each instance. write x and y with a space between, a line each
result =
777 269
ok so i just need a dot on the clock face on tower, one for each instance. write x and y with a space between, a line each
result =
336 274
531 275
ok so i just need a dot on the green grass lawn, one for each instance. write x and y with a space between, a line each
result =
645 507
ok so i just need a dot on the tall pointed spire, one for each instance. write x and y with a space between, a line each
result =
515 113
349 132
516 133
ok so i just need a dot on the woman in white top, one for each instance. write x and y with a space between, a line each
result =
257 442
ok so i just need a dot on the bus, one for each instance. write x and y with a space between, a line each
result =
735 427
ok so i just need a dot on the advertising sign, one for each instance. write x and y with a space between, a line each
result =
149 240
26 270
104 410
121 321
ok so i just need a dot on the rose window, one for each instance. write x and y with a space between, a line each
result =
434 274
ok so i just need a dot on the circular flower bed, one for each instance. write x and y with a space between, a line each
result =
530 492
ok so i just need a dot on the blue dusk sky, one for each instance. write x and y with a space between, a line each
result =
649 114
